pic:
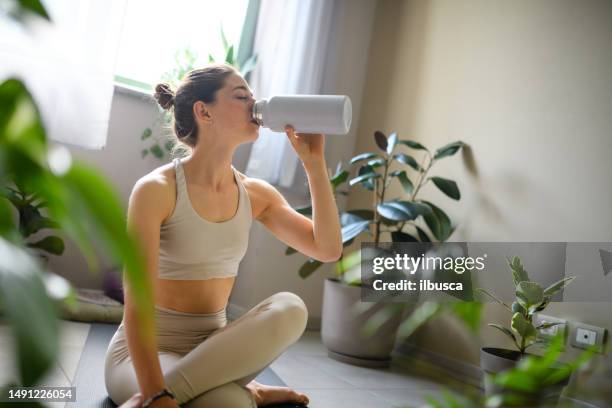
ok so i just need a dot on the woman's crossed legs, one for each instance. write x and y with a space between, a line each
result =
215 373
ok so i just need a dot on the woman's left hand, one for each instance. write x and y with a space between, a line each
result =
308 146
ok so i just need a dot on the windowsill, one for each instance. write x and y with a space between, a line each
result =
132 91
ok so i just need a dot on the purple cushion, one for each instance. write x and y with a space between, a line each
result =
112 284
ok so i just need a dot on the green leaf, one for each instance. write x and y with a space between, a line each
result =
309 267
519 274
32 6
52 244
507 332
438 222
402 210
531 293
169 145
557 286
413 144
495 298
406 159
146 134
39 222
448 187
339 178
29 311
391 143
374 163
448 150
229 56
157 151
363 156
423 237
404 181
523 327
364 177
144 153
352 230
381 140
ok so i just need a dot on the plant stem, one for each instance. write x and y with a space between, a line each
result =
423 174
382 199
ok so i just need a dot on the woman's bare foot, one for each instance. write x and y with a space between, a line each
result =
269 394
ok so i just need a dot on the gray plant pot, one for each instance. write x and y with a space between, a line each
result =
495 360
341 327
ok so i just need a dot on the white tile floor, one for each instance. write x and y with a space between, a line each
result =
304 367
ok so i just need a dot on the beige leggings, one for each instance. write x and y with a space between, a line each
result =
205 361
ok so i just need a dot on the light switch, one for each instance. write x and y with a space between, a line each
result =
585 336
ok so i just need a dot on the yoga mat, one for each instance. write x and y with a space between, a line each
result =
89 379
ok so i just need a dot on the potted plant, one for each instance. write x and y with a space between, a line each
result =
531 298
527 384
343 325
31 221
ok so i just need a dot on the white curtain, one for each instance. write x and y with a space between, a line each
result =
291 43
68 66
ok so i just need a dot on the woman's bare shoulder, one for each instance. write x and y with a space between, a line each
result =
158 188
261 193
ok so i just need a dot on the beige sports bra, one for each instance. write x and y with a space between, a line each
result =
192 248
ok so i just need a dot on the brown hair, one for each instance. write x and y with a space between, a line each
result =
197 85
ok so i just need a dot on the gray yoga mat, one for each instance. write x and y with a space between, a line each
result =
89 380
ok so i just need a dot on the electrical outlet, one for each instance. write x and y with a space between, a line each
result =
552 331
584 335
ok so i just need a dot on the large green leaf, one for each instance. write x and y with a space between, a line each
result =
229 56
529 294
363 156
448 150
412 144
402 210
406 159
339 178
391 143
557 286
52 244
404 180
30 312
448 187
519 274
381 140
507 332
438 222
524 328
364 177
352 230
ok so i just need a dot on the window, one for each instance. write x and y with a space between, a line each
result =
155 32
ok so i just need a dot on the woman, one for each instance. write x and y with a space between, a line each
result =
192 217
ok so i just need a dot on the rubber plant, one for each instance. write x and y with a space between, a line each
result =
397 216
531 298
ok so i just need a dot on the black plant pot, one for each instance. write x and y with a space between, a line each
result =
495 360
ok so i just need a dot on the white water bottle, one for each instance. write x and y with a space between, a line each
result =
327 114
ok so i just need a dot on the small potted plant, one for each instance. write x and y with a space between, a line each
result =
531 298
342 324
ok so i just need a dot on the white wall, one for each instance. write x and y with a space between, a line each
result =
528 85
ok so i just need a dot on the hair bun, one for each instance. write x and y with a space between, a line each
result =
164 96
